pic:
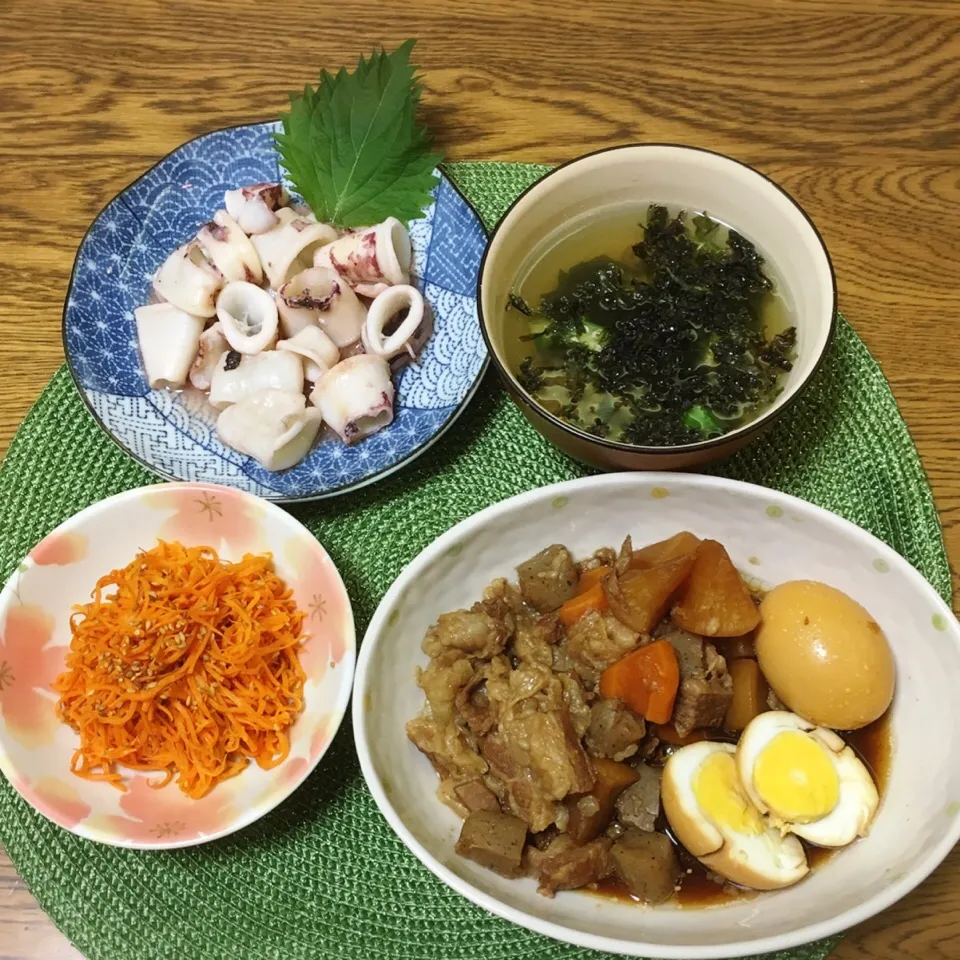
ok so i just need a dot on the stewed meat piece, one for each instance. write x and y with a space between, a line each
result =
706 687
596 641
472 633
474 707
604 557
614 731
534 638
539 758
442 682
566 866
548 579
523 794
447 747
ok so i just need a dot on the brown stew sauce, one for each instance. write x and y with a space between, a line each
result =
699 888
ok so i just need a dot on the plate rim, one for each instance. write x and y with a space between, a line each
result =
553 929
157 471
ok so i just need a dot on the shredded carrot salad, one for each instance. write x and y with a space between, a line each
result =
190 666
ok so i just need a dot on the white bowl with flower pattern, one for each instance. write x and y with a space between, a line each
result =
771 536
62 570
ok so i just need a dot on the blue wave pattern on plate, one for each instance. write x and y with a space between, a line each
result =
176 437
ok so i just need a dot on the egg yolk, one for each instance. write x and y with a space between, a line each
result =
721 796
796 778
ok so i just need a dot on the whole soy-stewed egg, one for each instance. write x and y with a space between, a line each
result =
807 779
712 815
824 656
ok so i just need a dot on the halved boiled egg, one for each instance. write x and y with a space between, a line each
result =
809 781
711 814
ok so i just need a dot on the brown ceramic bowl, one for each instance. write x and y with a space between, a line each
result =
597 184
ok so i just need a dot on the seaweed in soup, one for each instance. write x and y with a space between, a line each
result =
667 347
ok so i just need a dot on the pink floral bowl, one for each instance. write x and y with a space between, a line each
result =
61 571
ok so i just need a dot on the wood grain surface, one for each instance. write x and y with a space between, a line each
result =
852 105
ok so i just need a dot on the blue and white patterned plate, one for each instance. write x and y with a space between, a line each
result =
177 439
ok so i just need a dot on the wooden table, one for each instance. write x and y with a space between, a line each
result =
850 104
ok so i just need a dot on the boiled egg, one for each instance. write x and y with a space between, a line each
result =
807 779
824 655
711 814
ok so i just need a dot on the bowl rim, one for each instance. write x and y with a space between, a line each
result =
157 470
249 814
747 431
795 938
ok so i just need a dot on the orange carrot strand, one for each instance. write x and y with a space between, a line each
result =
183 664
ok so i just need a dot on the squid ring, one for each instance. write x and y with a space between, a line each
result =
386 306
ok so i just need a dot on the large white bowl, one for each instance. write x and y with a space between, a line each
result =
773 536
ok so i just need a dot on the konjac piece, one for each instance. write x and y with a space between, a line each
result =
548 578
494 840
646 864
639 804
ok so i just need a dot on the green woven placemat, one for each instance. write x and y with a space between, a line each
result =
323 876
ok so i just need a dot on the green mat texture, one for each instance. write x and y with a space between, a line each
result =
323 875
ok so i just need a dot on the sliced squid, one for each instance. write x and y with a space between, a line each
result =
190 281
302 210
230 249
248 316
371 259
355 398
319 352
254 206
320 296
238 375
274 426
213 345
169 338
289 246
382 311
